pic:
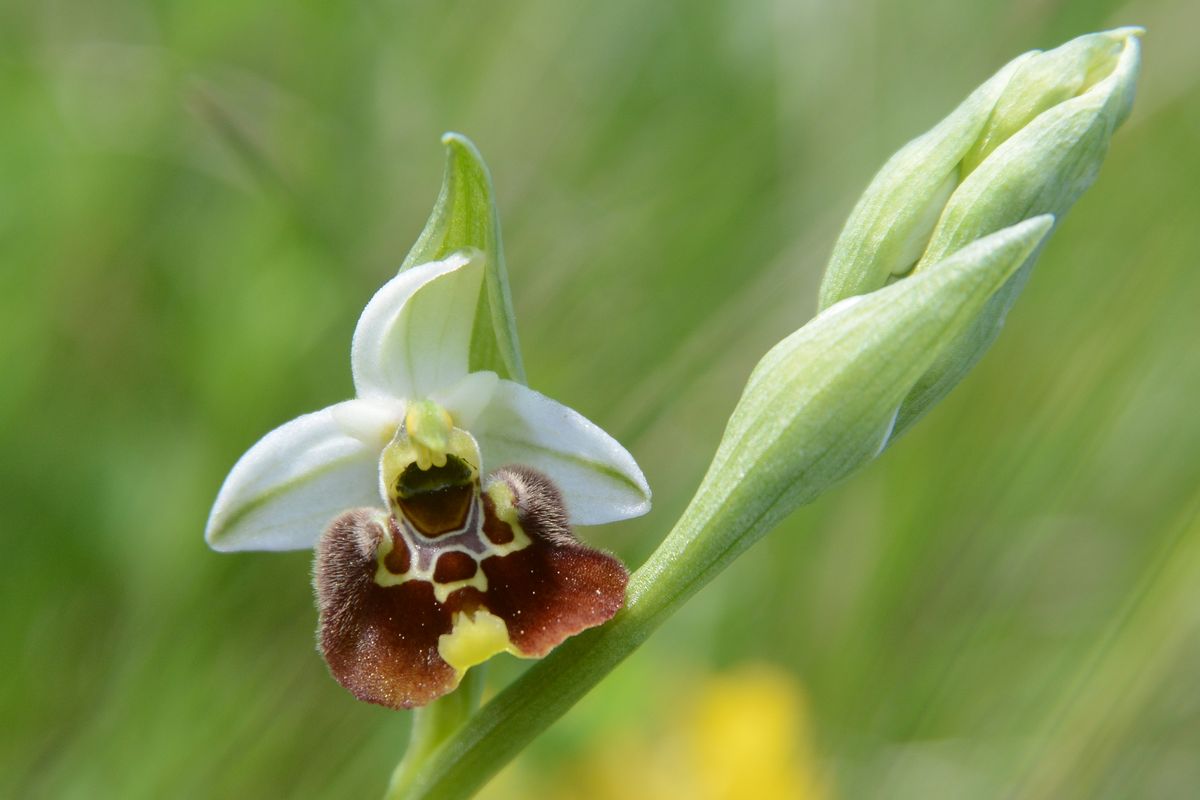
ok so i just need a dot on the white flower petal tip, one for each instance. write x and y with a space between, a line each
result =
599 479
415 333
287 487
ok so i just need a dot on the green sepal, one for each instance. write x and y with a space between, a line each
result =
464 216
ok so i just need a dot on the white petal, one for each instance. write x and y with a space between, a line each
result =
287 487
414 335
598 477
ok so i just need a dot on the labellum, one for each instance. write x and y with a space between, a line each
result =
454 572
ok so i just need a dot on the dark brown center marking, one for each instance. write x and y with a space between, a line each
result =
436 500
398 559
454 566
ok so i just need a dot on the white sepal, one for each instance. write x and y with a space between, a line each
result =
599 479
287 487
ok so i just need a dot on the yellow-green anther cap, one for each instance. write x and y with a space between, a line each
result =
429 426
823 401
1027 142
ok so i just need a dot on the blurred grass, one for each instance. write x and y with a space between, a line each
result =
197 199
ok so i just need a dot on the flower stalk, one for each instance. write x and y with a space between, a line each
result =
434 724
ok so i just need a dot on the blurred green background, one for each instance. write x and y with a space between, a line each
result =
197 199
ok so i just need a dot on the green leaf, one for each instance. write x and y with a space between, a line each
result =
464 216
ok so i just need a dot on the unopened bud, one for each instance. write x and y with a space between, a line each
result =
1027 142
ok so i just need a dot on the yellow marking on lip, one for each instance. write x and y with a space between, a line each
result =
502 498
474 639
443 590
383 575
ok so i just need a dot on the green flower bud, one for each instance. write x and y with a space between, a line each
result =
1042 168
1027 142
889 227
1044 80
823 402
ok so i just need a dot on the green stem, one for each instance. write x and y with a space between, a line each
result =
713 531
432 725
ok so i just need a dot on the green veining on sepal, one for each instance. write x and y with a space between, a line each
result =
269 495
464 216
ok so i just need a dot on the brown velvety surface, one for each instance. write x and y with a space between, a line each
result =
545 593
381 642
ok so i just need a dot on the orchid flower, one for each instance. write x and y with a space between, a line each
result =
439 501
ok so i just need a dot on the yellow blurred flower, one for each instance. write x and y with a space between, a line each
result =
749 738
745 735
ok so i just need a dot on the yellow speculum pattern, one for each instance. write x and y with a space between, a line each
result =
419 572
429 439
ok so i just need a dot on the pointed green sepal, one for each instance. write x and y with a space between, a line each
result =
823 402
464 216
